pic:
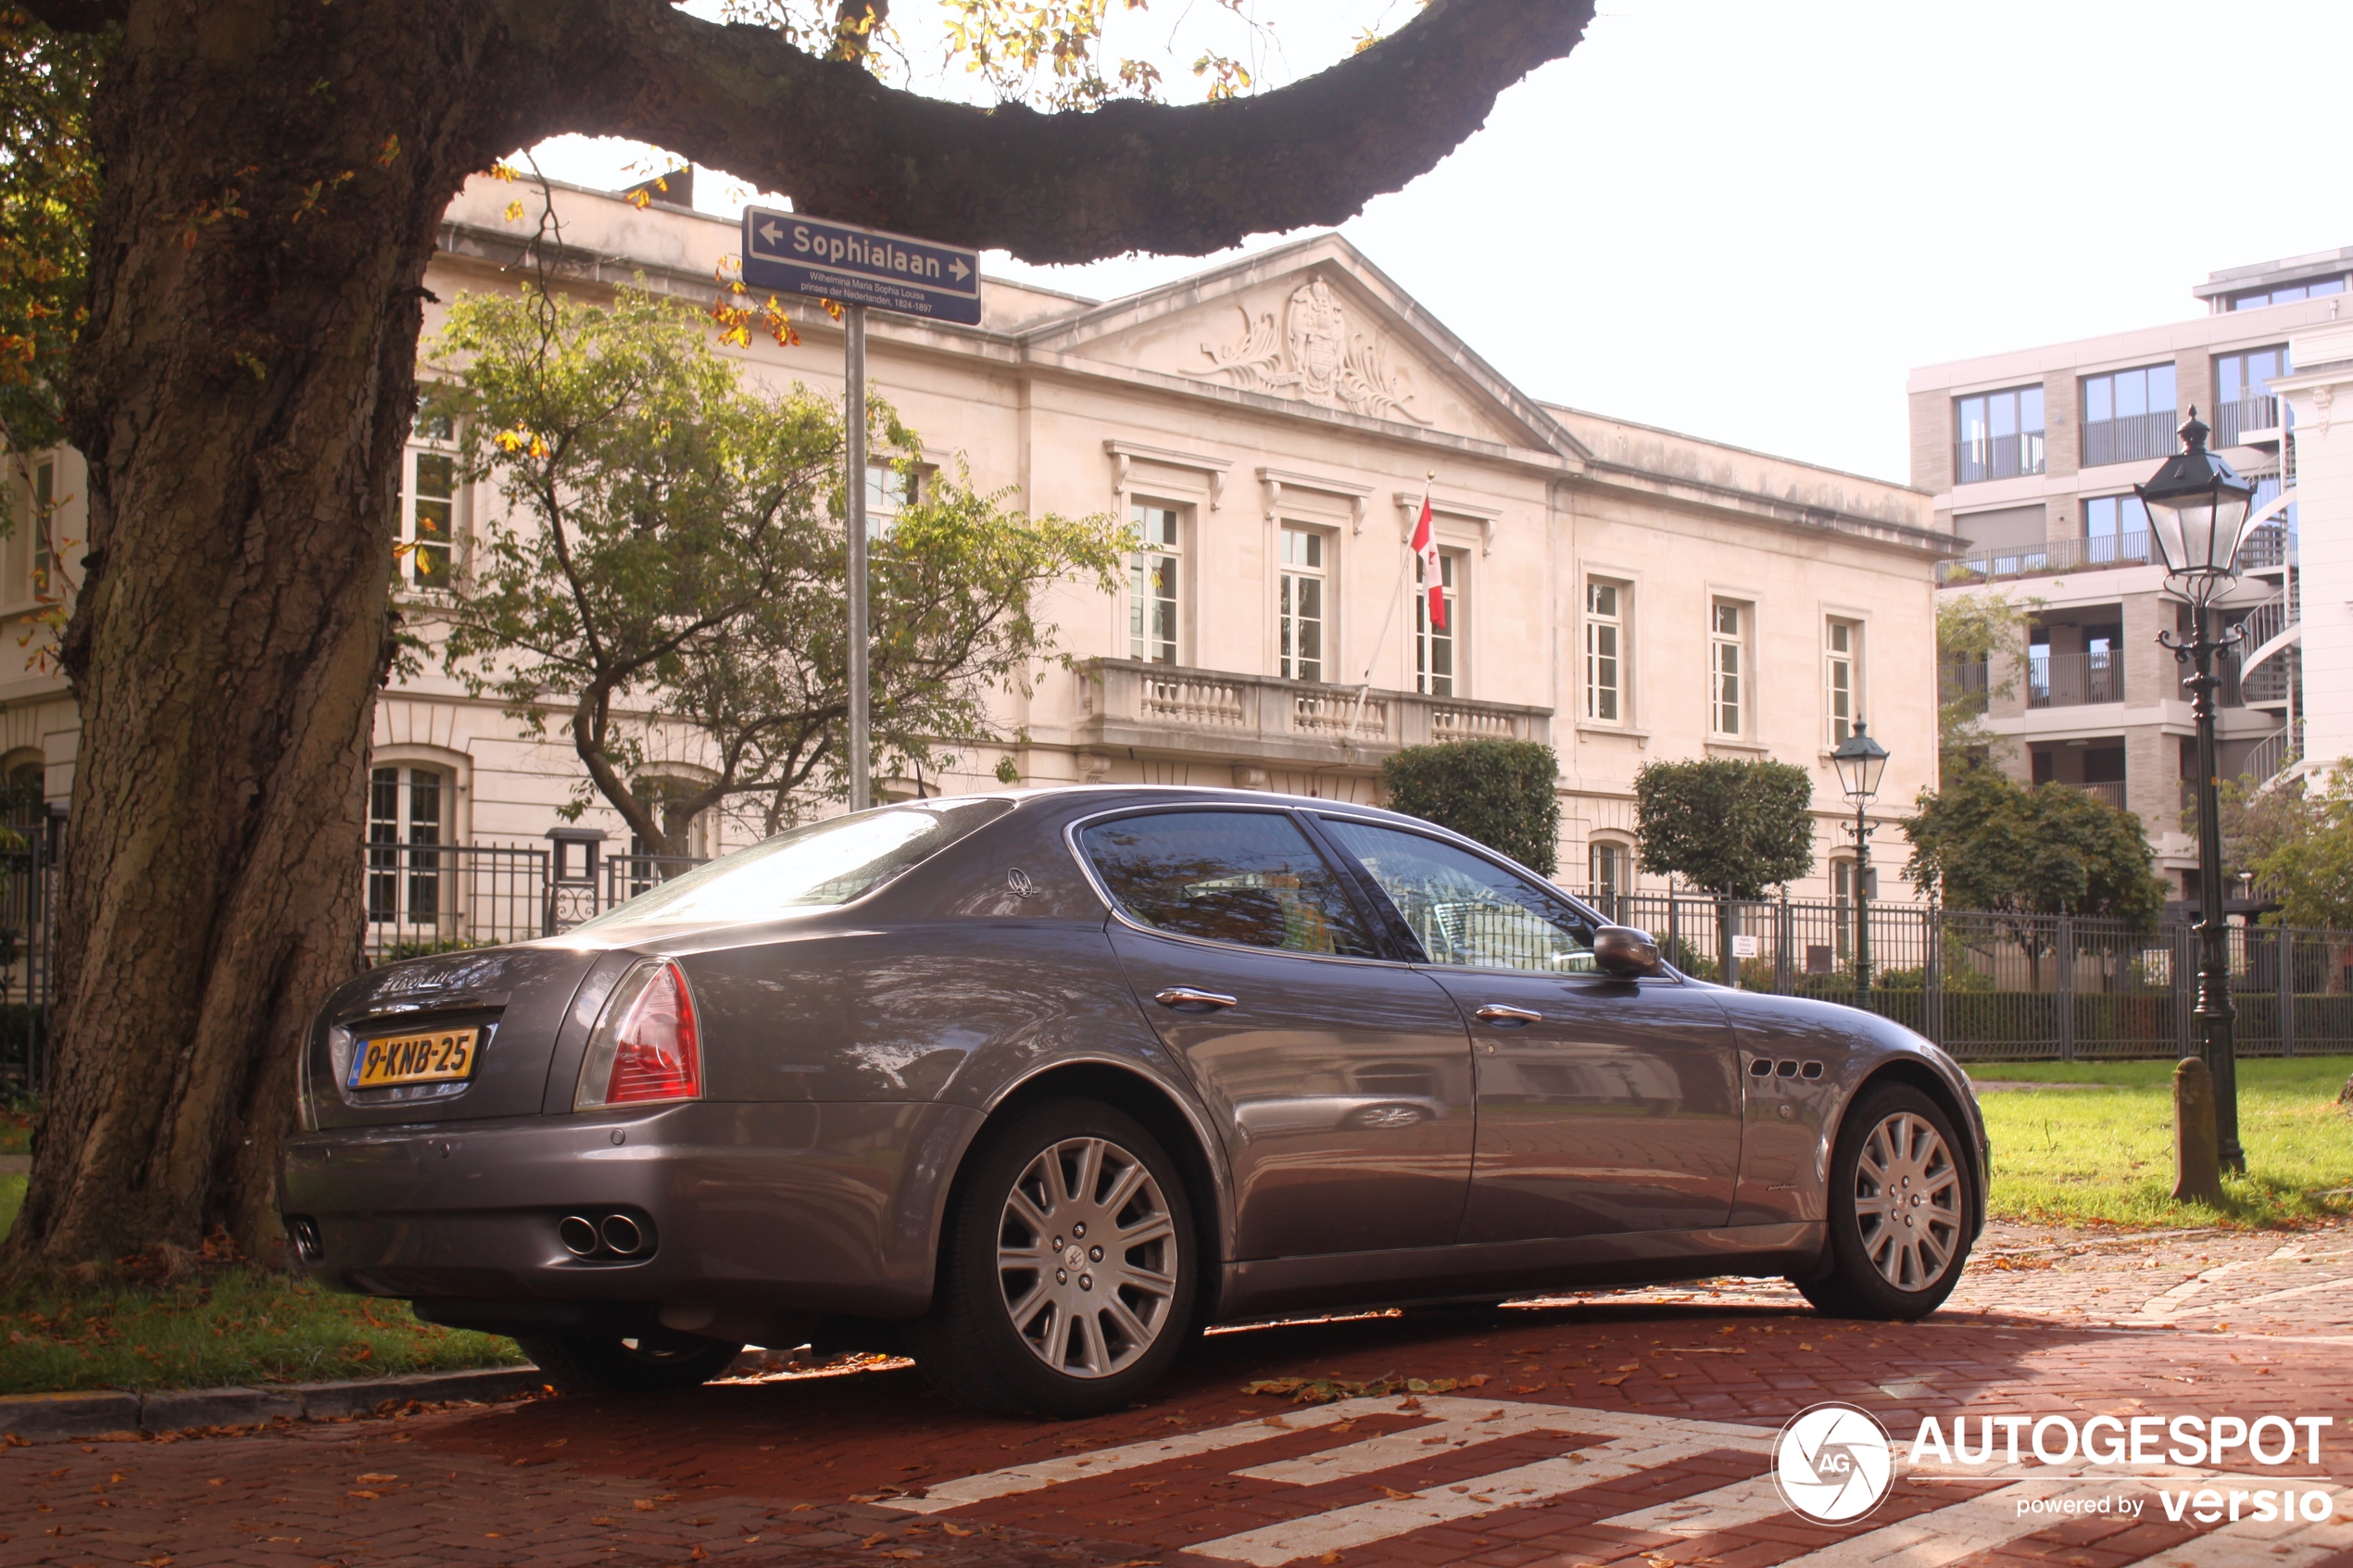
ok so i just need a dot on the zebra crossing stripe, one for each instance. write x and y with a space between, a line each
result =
1518 1487
1461 1423
1016 1479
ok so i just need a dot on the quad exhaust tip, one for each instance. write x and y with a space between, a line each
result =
621 1234
578 1234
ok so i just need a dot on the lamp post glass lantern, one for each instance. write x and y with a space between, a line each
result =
2198 508
1859 761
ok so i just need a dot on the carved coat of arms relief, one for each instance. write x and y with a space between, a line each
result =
1313 357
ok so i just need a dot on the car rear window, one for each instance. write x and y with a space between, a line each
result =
813 867
1249 877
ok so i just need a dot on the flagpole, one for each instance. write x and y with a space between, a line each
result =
1364 687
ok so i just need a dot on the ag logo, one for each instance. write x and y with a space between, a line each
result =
1833 1464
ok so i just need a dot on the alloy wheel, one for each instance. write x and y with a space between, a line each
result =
1087 1256
1908 1201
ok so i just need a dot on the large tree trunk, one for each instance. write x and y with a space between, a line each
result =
276 170
244 389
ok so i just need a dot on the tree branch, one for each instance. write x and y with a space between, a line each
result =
79 16
1179 179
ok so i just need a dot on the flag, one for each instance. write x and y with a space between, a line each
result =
1426 549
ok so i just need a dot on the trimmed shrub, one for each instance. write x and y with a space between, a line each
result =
1734 828
1499 792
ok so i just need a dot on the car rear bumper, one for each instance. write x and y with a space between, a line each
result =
821 1208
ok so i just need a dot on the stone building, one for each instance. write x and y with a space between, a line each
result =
1268 426
2031 455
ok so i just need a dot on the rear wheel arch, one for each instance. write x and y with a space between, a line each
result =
1166 1118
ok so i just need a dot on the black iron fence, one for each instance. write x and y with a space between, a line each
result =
2022 987
1985 986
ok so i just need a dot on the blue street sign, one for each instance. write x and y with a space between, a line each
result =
794 253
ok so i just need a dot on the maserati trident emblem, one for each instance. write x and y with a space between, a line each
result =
1018 880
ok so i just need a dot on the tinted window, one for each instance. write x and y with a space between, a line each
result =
812 867
1249 877
1467 911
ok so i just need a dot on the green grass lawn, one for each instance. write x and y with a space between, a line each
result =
234 1325
2104 1155
219 1324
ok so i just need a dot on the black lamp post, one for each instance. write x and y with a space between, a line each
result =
2199 509
1860 760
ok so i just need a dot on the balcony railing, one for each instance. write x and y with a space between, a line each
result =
2280 748
2096 554
2234 420
2266 547
1172 708
2131 439
2109 790
2074 680
1998 456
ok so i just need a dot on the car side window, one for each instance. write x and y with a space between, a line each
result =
1466 910
1249 877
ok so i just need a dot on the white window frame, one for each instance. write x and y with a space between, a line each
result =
1454 566
1841 675
1730 655
391 893
1623 854
891 488
441 446
1319 543
1168 549
1606 628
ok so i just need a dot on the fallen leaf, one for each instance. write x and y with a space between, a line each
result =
1632 1366
802 1507
697 1555
1401 1496
1276 1421
1409 1404
1477 1380
1329 1558
1611 1382
370 1496
953 1528
876 1540
369 1479
643 1505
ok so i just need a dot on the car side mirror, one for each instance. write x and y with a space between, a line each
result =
1623 952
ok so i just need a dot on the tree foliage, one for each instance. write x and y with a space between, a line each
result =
49 181
1985 843
671 559
1499 792
2297 840
1980 652
1732 827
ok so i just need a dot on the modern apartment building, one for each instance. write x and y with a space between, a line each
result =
1266 426
2031 455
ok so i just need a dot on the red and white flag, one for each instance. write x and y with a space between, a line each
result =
1426 548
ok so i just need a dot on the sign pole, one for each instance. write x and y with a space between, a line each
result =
856 267
853 321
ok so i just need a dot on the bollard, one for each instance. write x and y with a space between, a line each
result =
2197 1168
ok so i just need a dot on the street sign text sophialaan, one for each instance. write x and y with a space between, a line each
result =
795 254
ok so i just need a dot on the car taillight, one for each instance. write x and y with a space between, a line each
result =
644 1047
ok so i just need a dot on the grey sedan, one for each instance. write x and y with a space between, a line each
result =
1036 1085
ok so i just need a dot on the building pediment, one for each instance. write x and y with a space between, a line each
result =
1316 324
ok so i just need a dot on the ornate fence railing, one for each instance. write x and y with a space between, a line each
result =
1993 986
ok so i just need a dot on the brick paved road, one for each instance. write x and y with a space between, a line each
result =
1630 1429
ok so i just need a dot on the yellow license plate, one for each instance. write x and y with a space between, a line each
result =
441 1056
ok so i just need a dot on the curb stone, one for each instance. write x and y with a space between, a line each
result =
53 1418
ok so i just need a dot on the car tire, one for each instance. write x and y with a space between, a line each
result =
1094 1322
586 1362
1901 1198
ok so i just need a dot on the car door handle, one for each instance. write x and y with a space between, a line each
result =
1503 1017
1184 998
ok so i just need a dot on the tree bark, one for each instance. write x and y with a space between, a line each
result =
276 173
242 392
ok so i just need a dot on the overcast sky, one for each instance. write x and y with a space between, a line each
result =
1749 222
